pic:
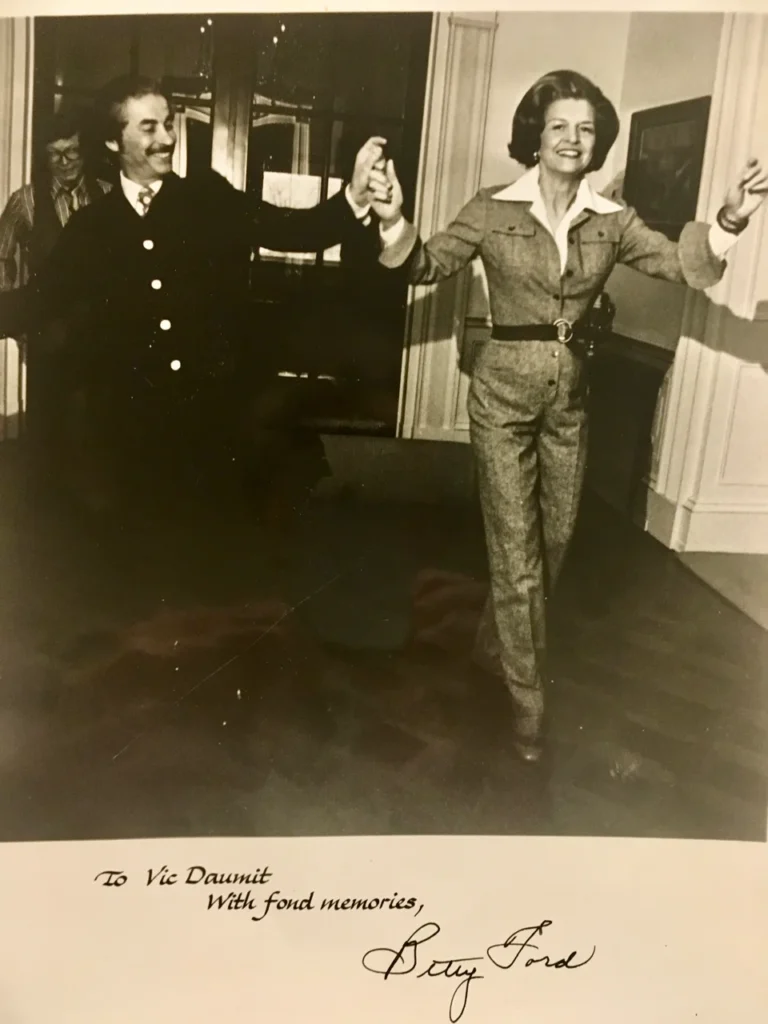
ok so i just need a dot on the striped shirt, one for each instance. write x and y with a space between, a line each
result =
17 219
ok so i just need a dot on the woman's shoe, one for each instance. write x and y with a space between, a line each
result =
528 734
528 738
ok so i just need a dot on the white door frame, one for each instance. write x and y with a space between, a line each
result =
16 78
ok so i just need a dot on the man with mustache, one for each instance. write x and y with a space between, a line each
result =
158 276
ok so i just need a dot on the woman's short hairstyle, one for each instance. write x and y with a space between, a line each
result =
528 122
111 101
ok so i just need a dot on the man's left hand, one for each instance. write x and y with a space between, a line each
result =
747 193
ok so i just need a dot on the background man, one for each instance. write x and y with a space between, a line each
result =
29 228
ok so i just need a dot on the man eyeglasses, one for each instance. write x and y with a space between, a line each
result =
30 226
36 213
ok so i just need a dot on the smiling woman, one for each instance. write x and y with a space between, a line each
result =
566 123
548 244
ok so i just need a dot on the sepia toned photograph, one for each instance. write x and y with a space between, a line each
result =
383 439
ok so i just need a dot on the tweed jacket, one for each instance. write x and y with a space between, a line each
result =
148 293
526 281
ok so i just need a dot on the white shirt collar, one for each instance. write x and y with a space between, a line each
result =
131 189
526 190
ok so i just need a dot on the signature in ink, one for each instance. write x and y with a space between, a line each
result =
502 955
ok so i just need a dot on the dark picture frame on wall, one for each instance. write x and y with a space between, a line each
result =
664 162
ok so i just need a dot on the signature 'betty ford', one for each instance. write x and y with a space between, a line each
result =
502 955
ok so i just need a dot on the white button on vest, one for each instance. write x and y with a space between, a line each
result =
149 244
175 364
165 325
157 284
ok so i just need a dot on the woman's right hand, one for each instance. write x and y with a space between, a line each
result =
390 212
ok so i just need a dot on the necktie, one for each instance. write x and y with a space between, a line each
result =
72 204
145 198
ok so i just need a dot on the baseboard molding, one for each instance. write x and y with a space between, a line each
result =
734 529
706 526
660 517
454 435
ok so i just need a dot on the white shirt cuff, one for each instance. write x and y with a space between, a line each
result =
361 212
721 241
392 234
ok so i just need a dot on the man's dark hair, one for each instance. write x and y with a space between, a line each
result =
64 124
111 100
528 122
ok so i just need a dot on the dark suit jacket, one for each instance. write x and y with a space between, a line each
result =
172 285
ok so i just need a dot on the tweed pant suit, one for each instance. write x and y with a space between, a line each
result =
527 398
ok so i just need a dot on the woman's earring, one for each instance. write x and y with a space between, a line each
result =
536 157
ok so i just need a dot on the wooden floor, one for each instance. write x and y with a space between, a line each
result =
214 676
741 579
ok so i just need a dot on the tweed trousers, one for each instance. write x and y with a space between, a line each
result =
528 427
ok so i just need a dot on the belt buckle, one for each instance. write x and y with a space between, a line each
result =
564 330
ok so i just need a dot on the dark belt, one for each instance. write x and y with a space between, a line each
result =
561 330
